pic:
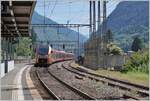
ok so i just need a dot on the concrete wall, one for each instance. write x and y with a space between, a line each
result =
10 67
95 56
115 61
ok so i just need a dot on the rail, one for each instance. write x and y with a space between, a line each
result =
46 87
142 91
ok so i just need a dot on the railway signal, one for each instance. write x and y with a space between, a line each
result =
63 46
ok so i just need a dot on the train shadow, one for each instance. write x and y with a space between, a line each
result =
47 65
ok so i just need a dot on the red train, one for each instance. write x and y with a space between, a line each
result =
45 55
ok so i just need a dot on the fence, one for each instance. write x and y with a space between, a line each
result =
22 59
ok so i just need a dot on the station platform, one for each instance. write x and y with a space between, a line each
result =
17 84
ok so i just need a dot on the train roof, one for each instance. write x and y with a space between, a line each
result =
53 50
57 51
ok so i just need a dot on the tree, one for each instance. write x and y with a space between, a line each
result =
24 47
34 36
137 44
113 49
109 36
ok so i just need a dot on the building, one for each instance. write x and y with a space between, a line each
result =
15 22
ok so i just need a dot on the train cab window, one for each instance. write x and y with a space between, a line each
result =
43 51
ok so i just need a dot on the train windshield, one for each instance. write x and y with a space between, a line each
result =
43 51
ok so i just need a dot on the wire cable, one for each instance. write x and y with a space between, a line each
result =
53 8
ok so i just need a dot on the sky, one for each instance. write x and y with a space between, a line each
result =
72 11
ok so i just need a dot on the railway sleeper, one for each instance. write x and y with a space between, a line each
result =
86 96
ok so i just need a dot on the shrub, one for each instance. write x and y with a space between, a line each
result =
137 44
138 62
113 49
23 49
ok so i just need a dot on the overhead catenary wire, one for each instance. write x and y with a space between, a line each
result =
60 3
70 2
44 30
70 11
53 8
82 11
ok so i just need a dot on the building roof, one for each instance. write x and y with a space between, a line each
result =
16 18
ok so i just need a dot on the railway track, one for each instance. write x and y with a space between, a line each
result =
142 92
54 97
59 89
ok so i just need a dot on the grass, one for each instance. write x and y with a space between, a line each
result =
134 77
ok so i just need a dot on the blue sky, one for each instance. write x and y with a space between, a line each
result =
74 11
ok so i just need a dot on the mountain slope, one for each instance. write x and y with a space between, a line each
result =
129 19
52 33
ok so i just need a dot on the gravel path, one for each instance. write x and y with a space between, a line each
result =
44 94
59 89
91 87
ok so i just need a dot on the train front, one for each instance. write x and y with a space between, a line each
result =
42 55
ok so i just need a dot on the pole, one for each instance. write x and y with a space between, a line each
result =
10 48
13 49
99 15
94 19
104 16
104 30
78 42
90 29
6 60
98 40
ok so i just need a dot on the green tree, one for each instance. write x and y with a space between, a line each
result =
23 49
137 44
109 36
34 36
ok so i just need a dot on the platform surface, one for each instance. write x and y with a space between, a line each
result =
17 84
